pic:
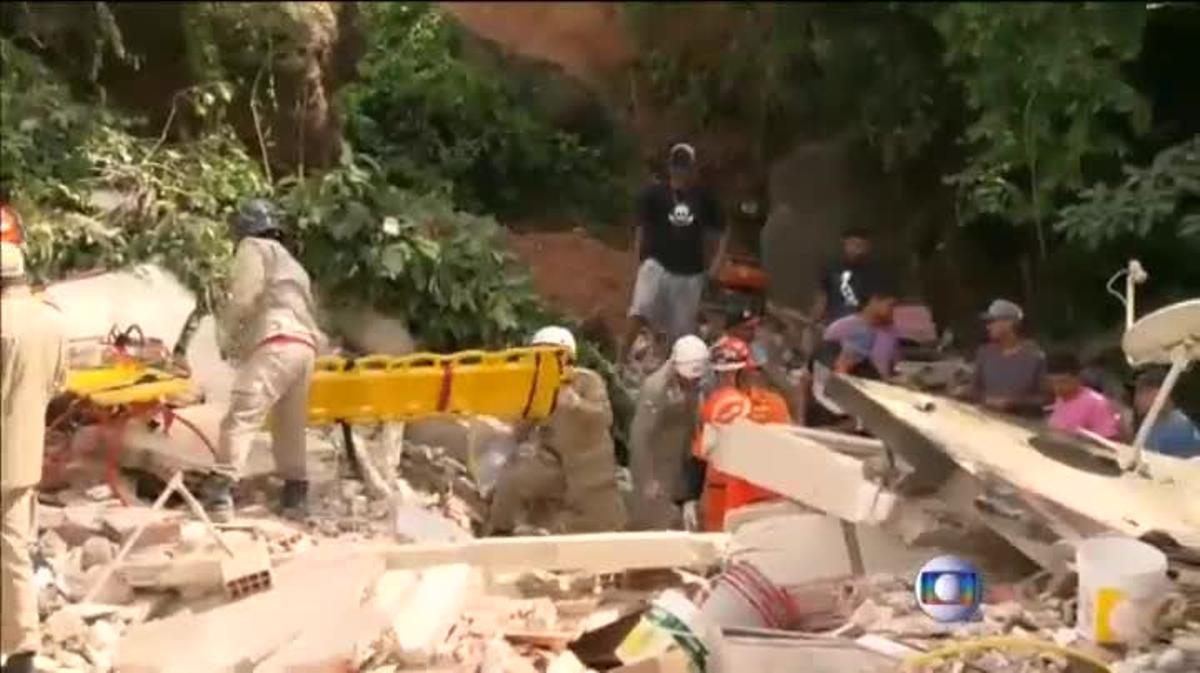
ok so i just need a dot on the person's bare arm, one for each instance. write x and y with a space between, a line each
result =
716 251
820 298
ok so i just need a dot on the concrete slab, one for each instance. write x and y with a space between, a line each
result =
237 635
779 458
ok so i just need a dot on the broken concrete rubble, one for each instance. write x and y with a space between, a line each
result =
971 438
387 576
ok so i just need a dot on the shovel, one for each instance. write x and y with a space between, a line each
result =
241 575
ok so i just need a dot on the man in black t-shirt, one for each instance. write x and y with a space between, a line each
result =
680 243
841 286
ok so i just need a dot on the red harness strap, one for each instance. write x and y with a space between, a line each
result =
286 339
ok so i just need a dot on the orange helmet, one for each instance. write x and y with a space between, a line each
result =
725 406
10 226
731 354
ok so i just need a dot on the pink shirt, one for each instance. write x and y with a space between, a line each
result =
1089 410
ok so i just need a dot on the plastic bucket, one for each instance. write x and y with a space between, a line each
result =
744 596
671 621
1123 587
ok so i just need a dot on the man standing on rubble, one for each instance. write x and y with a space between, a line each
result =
660 435
270 330
571 480
33 367
1010 372
680 242
841 287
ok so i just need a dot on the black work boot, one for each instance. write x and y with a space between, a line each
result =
218 498
294 500
21 662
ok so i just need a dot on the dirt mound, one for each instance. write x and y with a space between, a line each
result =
586 39
582 276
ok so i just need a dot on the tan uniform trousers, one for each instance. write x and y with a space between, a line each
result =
530 490
19 617
273 380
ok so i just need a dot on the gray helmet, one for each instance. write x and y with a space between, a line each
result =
257 217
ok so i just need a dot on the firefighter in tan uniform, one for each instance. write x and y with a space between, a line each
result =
568 484
270 331
661 433
33 367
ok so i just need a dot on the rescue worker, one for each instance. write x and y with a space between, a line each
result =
569 483
270 331
742 392
663 423
33 348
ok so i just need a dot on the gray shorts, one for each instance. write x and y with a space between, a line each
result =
668 302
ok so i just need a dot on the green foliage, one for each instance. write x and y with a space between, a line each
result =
365 240
1043 81
439 124
1167 192
94 195
869 68
44 138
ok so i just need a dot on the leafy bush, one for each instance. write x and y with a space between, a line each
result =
436 123
1044 83
94 195
445 270
1165 192
783 69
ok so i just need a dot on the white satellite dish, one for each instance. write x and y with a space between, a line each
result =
1168 336
1154 338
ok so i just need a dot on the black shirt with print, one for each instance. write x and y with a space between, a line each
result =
846 285
675 224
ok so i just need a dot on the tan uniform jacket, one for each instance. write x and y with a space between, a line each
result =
661 433
33 365
270 295
582 418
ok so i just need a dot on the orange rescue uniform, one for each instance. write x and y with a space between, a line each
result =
722 492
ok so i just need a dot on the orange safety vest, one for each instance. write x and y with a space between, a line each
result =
723 492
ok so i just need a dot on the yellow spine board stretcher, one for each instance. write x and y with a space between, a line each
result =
125 383
514 383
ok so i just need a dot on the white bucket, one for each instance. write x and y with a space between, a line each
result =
1123 588
744 596
672 621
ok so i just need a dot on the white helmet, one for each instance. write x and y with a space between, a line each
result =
690 356
554 336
